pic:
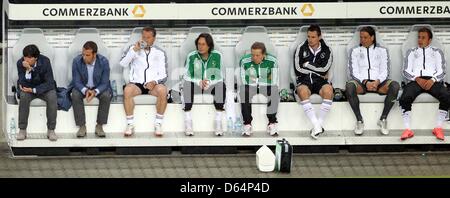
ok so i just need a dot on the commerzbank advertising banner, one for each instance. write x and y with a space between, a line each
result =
227 11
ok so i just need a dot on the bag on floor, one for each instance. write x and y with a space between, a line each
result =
283 156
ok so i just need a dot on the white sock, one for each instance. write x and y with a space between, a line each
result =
407 119
441 118
130 120
218 115
324 109
309 111
187 115
159 118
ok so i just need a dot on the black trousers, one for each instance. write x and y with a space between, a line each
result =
412 90
246 94
218 90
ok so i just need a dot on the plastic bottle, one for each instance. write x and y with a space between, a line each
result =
181 96
12 126
230 125
238 126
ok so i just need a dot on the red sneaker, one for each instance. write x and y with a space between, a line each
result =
439 133
407 133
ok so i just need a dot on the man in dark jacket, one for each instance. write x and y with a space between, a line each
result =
312 64
36 81
90 78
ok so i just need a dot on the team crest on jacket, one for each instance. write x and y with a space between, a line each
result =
416 54
362 56
305 54
197 64
322 55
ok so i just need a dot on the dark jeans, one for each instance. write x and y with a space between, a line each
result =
24 108
78 107
246 94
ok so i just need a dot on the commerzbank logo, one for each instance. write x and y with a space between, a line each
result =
138 11
307 9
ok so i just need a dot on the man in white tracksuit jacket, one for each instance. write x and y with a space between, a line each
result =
424 68
148 73
369 68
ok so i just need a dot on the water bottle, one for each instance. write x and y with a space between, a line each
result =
12 127
230 125
238 126
181 96
142 44
114 89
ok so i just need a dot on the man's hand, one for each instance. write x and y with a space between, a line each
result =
375 85
26 89
428 84
421 82
370 86
204 84
306 63
151 85
90 94
26 65
137 46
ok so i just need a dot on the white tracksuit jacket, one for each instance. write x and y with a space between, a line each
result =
146 66
428 61
372 63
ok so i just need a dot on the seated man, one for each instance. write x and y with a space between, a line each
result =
259 74
204 74
424 67
369 67
148 74
90 78
312 63
36 81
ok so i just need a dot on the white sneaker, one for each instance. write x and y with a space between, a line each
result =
219 130
383 126
129 131
359 129
158 130
272 129
188 128
247 130
316 131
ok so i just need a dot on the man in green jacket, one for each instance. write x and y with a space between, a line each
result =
204 74
259 74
